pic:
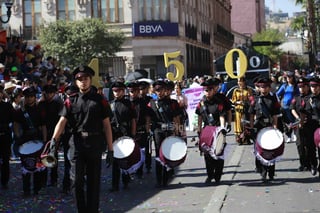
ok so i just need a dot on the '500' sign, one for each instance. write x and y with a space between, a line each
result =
242 63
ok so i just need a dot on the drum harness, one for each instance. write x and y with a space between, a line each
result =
166 125
314 109
265 113
118 126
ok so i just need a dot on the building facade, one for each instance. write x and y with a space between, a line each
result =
248 16
200 30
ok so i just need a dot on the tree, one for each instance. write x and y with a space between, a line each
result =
273 36
77 42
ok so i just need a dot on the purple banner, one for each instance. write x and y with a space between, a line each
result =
155 29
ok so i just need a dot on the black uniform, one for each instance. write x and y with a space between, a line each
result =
85 113
312 111
142 135
123 113
165 112
51 109
210 112
264 107
6 111
32 121
299 104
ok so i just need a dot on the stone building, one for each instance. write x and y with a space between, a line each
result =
200 30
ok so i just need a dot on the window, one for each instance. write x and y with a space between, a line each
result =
66 10
154 10
110 11
32 17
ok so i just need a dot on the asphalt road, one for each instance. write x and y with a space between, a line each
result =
241 189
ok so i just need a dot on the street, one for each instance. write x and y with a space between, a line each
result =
240 190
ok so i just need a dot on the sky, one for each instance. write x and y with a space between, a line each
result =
284 5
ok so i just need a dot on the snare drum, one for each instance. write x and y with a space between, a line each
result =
127 153
173 151
269 143
212 141
30 154
316 137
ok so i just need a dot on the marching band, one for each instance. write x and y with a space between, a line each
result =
140 122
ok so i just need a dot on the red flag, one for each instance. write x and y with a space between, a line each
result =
3 37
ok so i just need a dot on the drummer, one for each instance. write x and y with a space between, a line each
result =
6 111
164 124
30 119
142 120
312 111
264 112
215 110
123 123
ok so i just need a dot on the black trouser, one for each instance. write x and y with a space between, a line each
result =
85 171
161 172
38 180
116 176
66 139
214 167
310 128
142 140
303 148
5 152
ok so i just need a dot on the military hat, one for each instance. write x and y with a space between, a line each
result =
302 82
49 88
159 84
169 85
211 82
255 80
315 81
143 84
118 84
262 82
29 91
82 71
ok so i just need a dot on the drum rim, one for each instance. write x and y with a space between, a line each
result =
116 149
31 142
258 139
184 151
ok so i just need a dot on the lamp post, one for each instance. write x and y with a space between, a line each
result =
8 4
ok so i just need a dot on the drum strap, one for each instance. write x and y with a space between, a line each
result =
28 119
264 108
114 111
209 119
161 113
314 107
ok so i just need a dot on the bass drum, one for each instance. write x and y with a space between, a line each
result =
269 144
173 151
316 137
127 153
30 155
212 140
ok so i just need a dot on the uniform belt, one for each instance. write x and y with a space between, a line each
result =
3 133
87 134
266 120
314 117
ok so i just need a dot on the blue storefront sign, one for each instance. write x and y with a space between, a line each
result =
155 29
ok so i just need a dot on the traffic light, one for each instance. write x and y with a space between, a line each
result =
266 43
